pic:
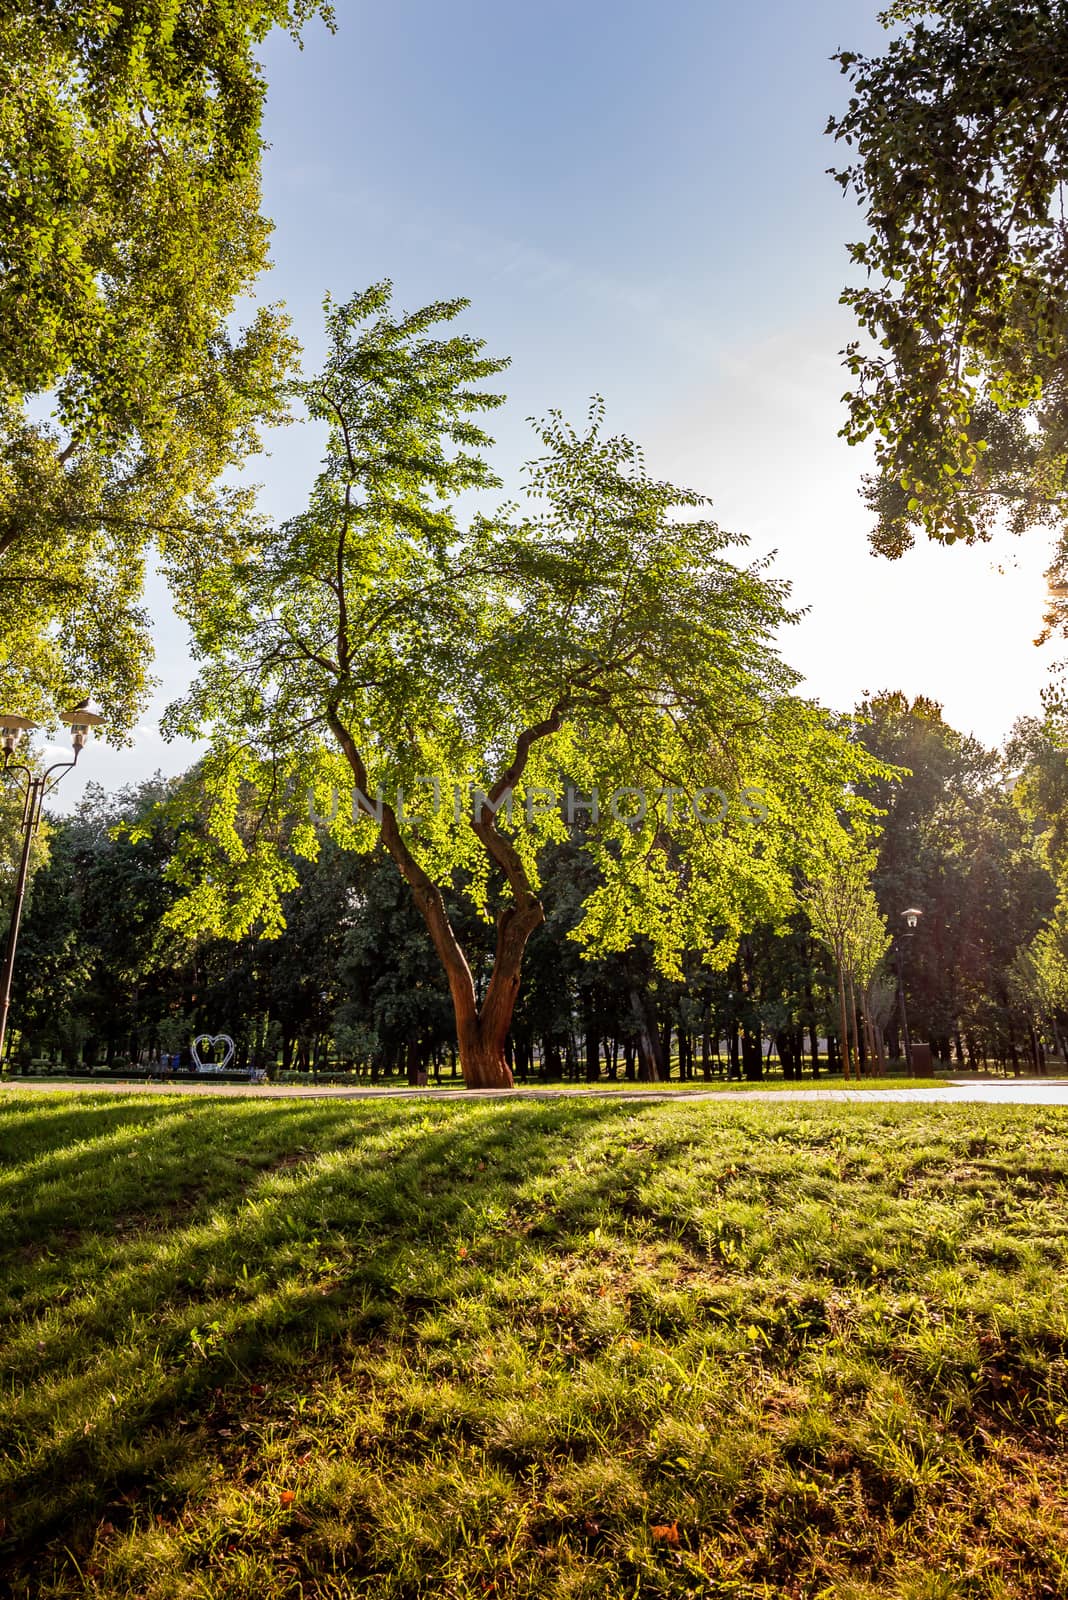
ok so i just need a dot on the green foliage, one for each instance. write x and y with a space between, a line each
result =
1040 973
395 1010
844 913
959 151
128 207
352 972
955 845
589 636
521 1349
130 227
94 961
1037 755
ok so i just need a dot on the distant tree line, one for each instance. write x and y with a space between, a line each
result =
970 836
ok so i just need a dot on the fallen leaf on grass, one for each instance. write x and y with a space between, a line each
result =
287 1497
668 1532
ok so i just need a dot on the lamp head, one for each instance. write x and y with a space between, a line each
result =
81 720
12 727
912 917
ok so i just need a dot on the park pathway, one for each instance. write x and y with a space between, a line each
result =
947 1091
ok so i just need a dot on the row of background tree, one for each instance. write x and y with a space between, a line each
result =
972 837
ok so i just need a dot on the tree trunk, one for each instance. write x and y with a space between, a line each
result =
482 1059
480 1029
859 1047
1036 1048
593 1050
809 1018
843 1026
752 1060
647 1039
665 1047
628 1060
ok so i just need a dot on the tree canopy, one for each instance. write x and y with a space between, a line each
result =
958 155
129 228
844 915
459 675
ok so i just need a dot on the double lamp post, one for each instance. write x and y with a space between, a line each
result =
34 786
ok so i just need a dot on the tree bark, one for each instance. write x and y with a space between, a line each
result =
593 1050
480 1029
859 1042
628 1060
647 1039
842 1024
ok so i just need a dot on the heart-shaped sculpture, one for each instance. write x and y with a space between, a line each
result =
213 1039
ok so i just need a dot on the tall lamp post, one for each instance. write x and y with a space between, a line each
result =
35 786
911 918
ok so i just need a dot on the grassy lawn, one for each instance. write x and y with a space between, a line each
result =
571 1086
732 1085
574 1348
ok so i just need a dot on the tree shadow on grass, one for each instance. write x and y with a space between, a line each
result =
168 1265
154 1255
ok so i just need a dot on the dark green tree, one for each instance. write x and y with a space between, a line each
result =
95 969
954 845
958 148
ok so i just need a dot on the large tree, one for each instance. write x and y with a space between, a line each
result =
954 845
129 228
958 139
446 672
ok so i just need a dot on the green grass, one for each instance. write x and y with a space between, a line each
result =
731 1085
575 1348
773 1081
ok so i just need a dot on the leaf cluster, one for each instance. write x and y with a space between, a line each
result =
600 632
958 153
130 226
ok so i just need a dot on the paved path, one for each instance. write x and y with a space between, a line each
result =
989 1091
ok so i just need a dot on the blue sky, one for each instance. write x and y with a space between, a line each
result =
634 198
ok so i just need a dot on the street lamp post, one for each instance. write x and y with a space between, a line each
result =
35 786
912 917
